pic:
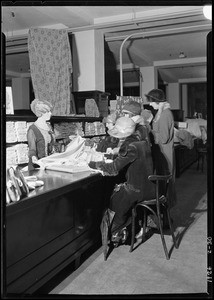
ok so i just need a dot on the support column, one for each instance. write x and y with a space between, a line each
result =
173 95
21 93
88 61
148 79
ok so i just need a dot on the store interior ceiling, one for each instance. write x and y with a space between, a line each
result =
171 38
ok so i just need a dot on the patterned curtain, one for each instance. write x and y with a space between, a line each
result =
51 68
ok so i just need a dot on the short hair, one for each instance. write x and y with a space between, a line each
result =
39 107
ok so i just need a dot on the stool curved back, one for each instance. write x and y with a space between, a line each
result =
154 206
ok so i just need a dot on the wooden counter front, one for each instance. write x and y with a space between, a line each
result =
52 227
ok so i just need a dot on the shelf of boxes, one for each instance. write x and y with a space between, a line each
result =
16 139
17 126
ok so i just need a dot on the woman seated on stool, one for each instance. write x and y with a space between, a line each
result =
135 155
141 117
40 135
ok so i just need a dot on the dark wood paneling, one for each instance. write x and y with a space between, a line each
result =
184 157
49 229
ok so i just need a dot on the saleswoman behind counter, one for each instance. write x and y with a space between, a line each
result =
40 136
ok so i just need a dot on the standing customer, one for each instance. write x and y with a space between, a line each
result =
40 135
163 139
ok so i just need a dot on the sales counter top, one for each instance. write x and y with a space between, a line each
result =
55 184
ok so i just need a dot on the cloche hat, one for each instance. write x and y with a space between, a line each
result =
123 128
132 107
156 95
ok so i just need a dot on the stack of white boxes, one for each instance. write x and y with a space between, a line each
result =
16 132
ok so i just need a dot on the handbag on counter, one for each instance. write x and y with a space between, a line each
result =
16 185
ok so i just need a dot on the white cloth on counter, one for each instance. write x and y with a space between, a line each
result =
75 158
194 126
183 137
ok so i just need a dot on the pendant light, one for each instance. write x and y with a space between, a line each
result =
207 11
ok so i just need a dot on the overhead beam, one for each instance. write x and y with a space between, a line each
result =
186 80
156 33
162 32
180 61
118 25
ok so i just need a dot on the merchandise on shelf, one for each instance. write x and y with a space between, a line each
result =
17 154
95 128
11 156
65 129
11 136
17 127
16 131
22 153
21 131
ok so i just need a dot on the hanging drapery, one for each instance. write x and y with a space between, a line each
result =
51 68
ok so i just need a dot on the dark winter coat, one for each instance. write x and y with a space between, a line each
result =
136 156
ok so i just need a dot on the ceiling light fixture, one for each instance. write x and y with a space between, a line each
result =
207 11
182 55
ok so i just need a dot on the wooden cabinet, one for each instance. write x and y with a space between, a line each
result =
178 114
55 224
185 157
101 99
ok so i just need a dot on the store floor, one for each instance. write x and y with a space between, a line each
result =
146 270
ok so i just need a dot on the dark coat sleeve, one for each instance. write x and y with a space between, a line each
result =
127 154
107 142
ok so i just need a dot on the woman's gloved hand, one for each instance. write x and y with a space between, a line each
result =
38 162
109 151
92 164
95 164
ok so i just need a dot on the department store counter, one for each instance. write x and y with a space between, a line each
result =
53 226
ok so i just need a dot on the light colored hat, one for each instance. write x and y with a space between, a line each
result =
123 128
132 107
156 95
39 107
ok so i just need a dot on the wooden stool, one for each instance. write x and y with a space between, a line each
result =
153 206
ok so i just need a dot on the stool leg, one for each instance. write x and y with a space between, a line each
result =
105 244
105 229
133 229
161 233
198 161
144 225
171 229
202 163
